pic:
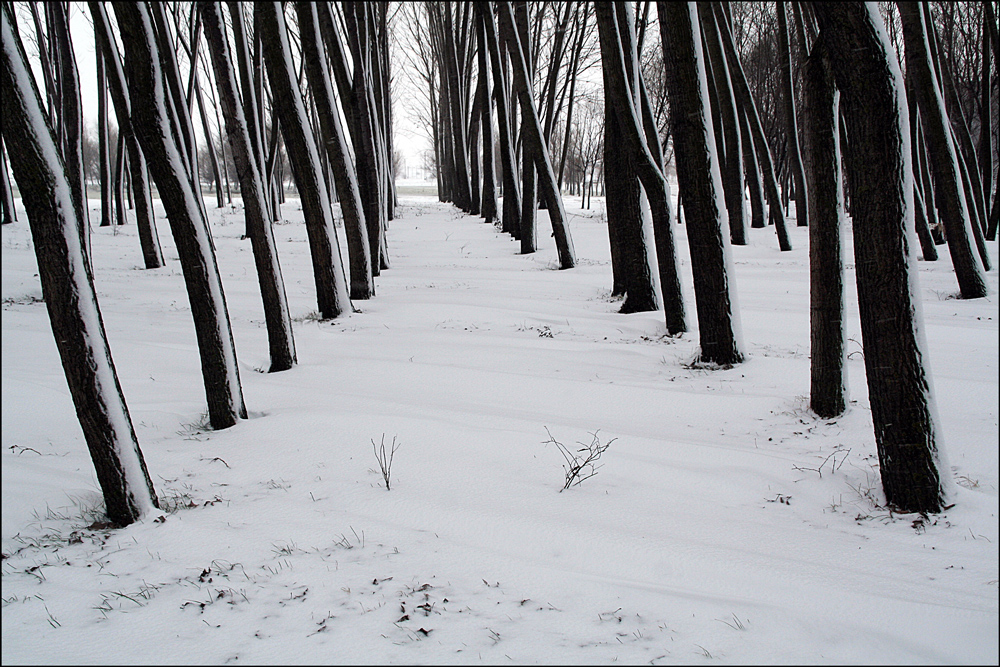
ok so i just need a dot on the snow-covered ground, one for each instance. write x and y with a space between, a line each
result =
726 524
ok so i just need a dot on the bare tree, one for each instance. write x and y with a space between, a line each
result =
68 288
151 121
878 168
700 183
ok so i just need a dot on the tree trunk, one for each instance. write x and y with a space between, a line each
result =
68 289
948 189
272 288
517 30
700 184
103 138
149 240
9 215
745 99
878 168
335 143
71 117
489 202
187 218
791 127
533 135
328 271
828 389
732 162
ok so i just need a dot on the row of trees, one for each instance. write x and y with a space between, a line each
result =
148 54
307 70
757 104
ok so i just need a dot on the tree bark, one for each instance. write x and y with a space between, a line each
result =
188 223
878 168
281 343
533 134
791 126
328 271
828 388
732 163
68 289
948 188
742 89
489 207
335 143
700 184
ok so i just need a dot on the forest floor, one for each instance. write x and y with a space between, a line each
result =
727 523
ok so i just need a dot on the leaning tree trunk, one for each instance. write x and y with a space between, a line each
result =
150 121
629 222
828 389
764 161
791 127
700 184
878 168
511 214
71 117
68 289
948 187
533 135
528 231
344 176
149 240
272 288
489 206
732 167
8 213
328 270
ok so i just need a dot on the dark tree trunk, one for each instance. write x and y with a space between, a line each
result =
9 215
700 184
791 126
331 284
187 218
489 202
335 143
732 162
68 289
103 137
878 163
149 240
272 288
745 99
754 180
533 135
828 389
629 222
71 117
952 207
518 31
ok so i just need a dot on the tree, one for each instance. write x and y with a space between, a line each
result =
700 183
149 240
532 134
746 102
272 287
879 174
6 195
335 143
952 205
328 270
791 126
152 121
68 288
828 389
728 122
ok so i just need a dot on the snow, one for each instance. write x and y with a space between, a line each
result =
727 520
